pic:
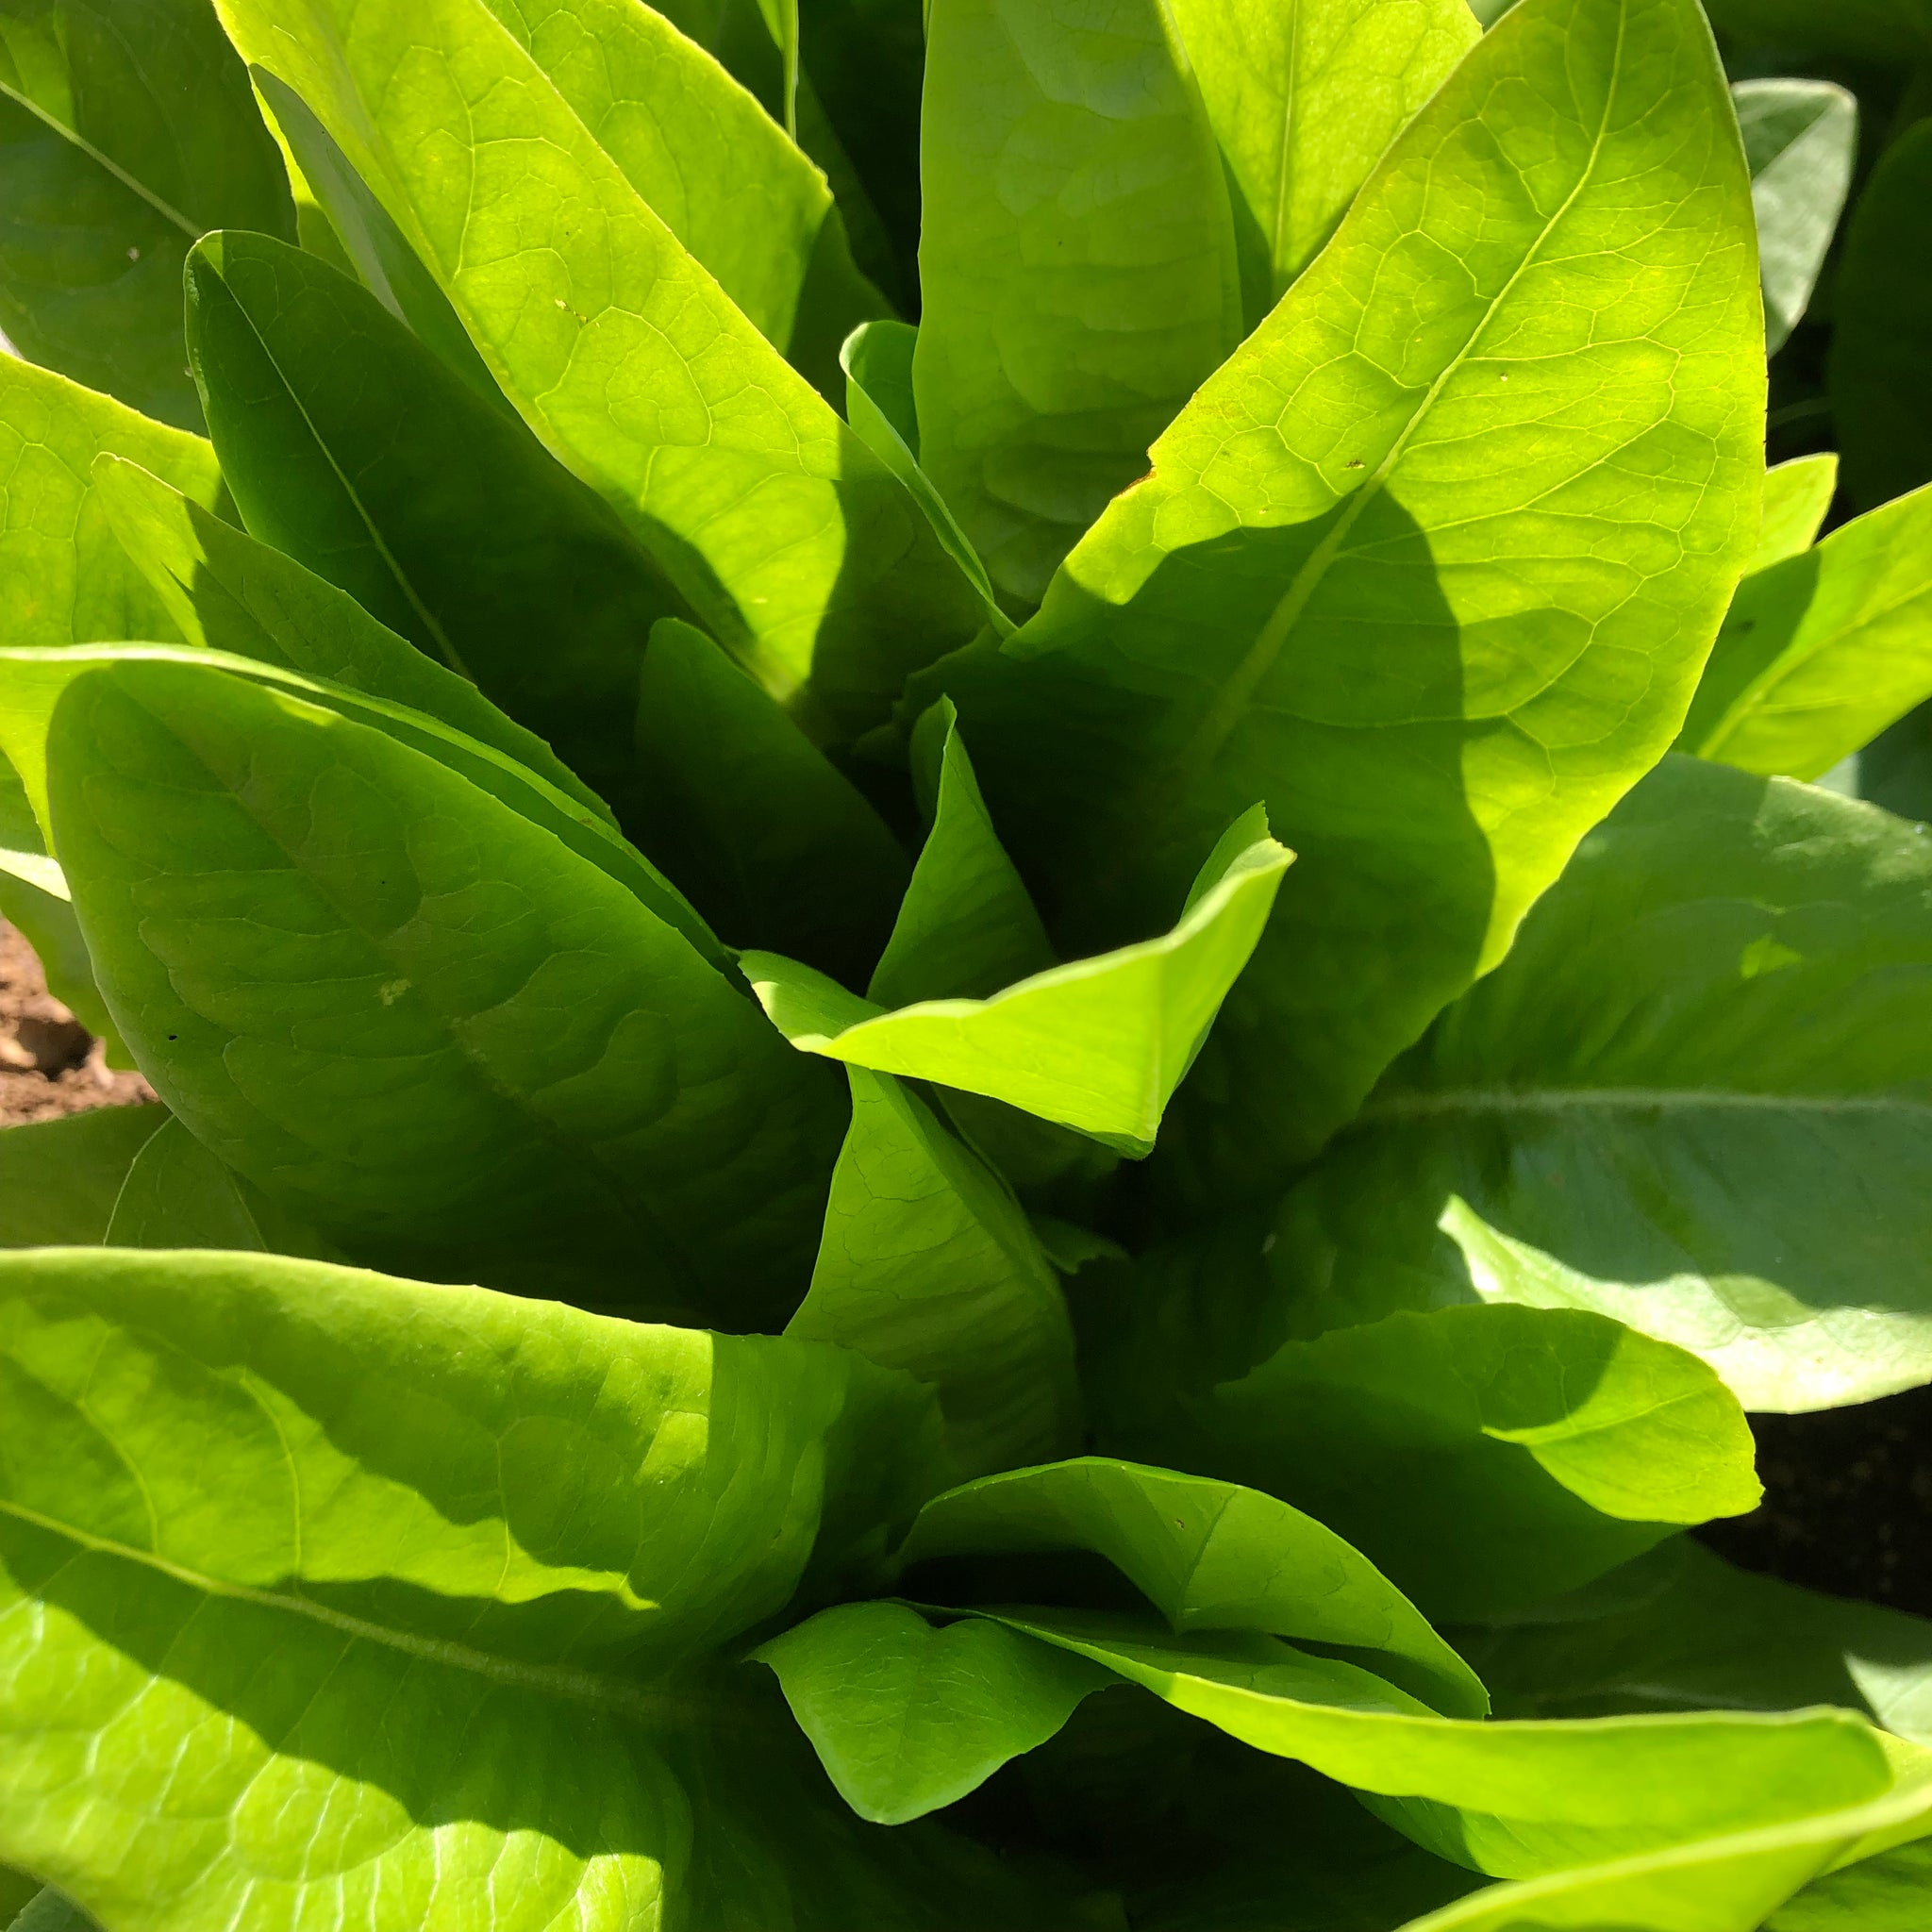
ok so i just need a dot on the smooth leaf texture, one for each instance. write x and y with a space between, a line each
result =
284 906
126 129
773 843
906 1716
794 547
1796 496
63 579
60 1179
33 682
1819 653
1512 1799
1881 338
516 1528
1800 139
1304 98
178 1195
1719 1884
1098 1045
966 926
1076 265
928 1264
1681 1629
878 360
351 448
1705 1045
1430 565
1881 30
1209 1556
1482 1458
1892 1894
227 592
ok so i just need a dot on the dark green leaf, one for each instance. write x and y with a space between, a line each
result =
60 1179
907 1717
178 1195
1077 264
773 844
1389 573
1694 1097
582 1105
1209 1556
1885 31
126 129
350 447
1800 139
1881 339
928 1264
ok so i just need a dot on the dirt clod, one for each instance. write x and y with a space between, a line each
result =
49 1064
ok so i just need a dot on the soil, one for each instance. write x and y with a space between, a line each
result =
49 1064
1847 1505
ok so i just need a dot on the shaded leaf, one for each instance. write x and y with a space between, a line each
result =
928 1264
126 129
298 973
350 447
1077 274
178 1195
1098 1045
1820 652
1373 582
1881 30
773 842
517 1529
794 547
1881 338
1800 139
906 1716
1303 100
1209 1556
1662 1103
1889 1893
60 1179
63 579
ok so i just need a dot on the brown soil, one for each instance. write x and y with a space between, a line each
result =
49 1065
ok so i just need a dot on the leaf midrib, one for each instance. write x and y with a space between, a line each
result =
556 1680
1236 692
132 183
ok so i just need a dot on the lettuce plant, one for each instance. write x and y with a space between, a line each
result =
989 1123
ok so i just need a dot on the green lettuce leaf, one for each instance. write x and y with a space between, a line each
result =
296 968
177 1194
1889 1893
1303 100
126 130
1482 1458
351 448
1372 582
1209 1556
63 579
906 1716
1881 337
1820 652
928 1264
282 1495
1801 138
1077 272
60 1179
773 842
1796 496
1663 1103
791 544
1515 1800
1098 1045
